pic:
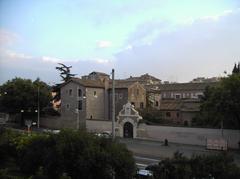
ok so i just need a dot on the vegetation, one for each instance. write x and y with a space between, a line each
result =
152 116
22 94
219 166
65 75
220 104
69 154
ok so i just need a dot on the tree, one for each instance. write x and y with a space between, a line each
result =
235 69
65 75
221 104
65 72
76 154
219 166
22 94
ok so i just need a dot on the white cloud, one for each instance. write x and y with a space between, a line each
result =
101 60
9 54
218 16
8 38
203 48
51 59
104 44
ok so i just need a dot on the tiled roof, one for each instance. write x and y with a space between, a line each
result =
170 105
144 77
121 83
180 86
180 105
86 83
98 73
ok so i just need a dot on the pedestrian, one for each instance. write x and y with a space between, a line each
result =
166 142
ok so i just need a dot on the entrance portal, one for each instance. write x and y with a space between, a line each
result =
128 130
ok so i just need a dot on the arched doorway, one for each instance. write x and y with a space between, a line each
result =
128 130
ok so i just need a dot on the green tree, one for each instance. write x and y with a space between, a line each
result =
219 166
66 75
236 68
22 94
221 104
76 154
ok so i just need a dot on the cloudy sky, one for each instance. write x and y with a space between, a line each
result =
170 39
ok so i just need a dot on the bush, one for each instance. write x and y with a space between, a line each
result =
69 154
219 166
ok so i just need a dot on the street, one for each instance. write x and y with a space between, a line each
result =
148 152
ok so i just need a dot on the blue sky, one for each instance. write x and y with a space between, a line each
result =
172 40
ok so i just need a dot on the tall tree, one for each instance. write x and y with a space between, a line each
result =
66 75
236 68
65 72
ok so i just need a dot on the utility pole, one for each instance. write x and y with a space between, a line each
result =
113 105
222 127
38 110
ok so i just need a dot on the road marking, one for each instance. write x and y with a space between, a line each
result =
144 158
141 165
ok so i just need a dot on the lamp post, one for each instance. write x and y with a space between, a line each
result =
22 123
113 105
38 111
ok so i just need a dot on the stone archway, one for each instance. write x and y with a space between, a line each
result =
128 130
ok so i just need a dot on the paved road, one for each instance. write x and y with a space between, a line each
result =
157 151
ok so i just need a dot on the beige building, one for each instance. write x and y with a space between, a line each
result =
91 97
83 99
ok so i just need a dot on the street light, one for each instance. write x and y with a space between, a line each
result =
38 111
22 123
113 105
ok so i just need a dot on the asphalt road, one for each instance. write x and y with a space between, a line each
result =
149 152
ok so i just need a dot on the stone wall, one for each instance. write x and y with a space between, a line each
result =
95 103
184 135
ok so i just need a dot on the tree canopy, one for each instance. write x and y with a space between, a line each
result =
22 94
222 103
75 154
66 75
219 166
65 72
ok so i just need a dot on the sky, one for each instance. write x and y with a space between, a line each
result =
170 39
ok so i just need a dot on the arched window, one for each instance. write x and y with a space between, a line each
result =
79 93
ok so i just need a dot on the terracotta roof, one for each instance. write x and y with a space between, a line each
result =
180 105
180 86
86 83
170 105
98 73
121 83
143 78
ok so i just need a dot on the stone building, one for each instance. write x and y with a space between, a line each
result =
145 79
178 102
126 91
82 99
91 97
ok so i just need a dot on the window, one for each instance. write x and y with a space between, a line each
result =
137 92
68 106
94 93
168 114
156 103
177 96
120 96
70 92
133 103
141 105
80 105
79 93
177 115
